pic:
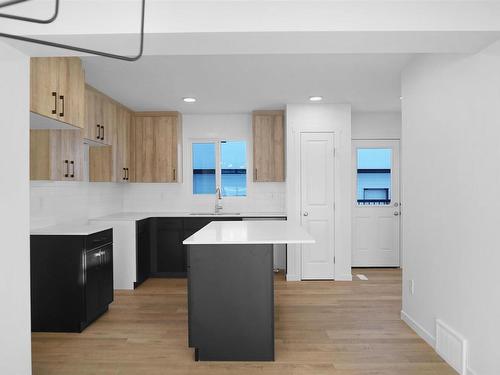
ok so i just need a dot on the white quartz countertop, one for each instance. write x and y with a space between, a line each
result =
250 232
135 216
71 229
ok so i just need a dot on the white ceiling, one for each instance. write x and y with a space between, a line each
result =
242 83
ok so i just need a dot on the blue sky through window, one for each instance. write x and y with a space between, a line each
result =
374 176
233 164
374 158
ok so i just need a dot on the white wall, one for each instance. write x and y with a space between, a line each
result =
15 340
376 125
321 118
451 133
261 197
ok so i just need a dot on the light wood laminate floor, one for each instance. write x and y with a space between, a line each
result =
338 328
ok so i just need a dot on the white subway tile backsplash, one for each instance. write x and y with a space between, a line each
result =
58 202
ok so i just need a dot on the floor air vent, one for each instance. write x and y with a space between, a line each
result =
451 346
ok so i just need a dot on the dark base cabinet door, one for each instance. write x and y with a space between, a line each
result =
170 252
93 284
99 282
143 251
107 291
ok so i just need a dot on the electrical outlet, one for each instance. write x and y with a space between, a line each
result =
411 286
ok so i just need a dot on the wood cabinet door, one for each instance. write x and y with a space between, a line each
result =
93 115
121 145
44 86
268 146
100 164
144 149
71 91
165 141
108 121
71 144
155 148
40 155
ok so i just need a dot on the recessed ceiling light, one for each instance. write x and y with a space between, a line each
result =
189 100
315 98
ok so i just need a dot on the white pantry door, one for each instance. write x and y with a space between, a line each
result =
317 171
376 203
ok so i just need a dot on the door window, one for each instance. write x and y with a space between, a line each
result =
374 167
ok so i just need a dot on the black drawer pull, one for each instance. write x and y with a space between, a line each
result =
54 94
62 101
67 168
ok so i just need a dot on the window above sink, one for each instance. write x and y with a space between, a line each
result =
220 163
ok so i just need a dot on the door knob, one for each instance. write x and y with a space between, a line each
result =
306 213
396 213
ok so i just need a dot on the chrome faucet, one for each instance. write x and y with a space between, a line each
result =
218 200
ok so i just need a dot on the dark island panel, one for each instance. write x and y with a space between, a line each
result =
231 302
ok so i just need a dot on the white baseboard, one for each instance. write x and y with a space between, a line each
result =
421 331
346 277
291 277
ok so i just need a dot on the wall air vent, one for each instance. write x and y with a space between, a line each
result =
451 346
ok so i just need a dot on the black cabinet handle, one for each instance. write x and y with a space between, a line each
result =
67 168
102 136
128 174
175 177
124 174
62 101
98 131
256 178
54 94
73 169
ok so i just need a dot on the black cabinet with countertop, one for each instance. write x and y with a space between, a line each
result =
71 280
159 248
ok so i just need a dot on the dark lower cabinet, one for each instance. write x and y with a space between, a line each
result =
99 281
159 248
143 250
170 254
71 280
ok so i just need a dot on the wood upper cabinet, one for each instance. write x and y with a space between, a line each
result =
100 164
268 146
100 114
57 89
156 144
56 155
121 145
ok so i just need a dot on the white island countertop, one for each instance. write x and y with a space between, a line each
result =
70 229
250 232
135 216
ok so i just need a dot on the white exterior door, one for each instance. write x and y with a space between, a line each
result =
376 203
317 204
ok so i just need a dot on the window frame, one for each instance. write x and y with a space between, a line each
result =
218 168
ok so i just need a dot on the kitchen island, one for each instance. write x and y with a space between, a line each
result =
231 289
